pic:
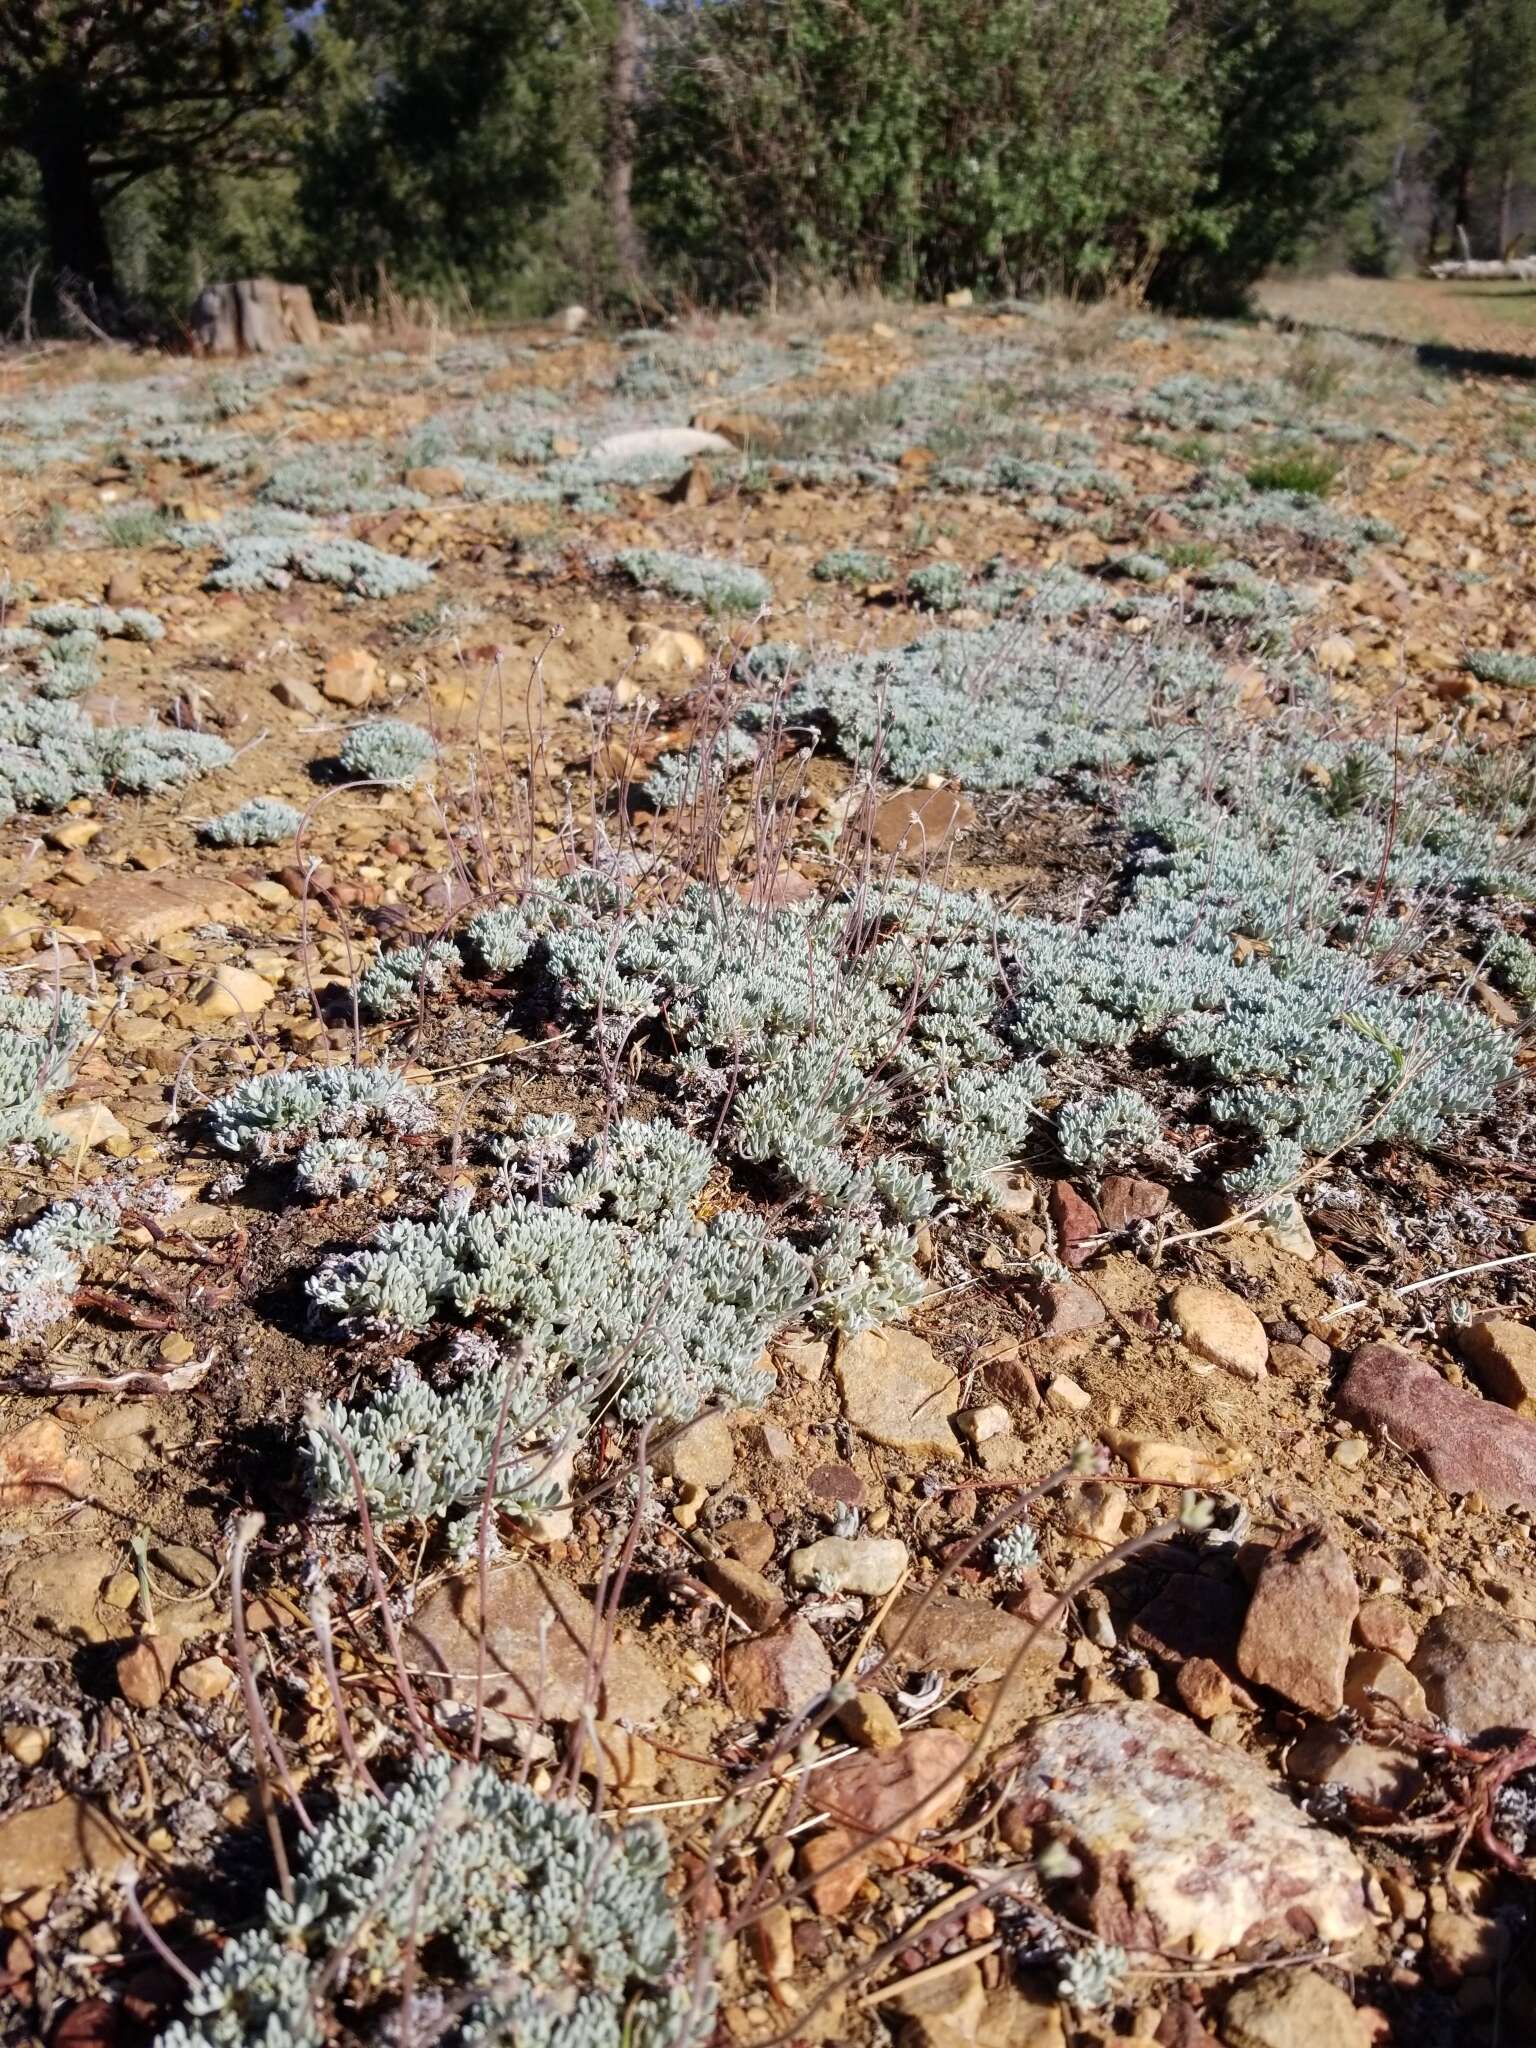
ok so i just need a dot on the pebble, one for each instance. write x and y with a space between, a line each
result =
296 695
351 677
1478 1674
806 1357
1176 1464
1367 1771
1466 1444
1220 1328
870 1565
781 1672
897 1392
869 1721
1293 2009
205 1679
747 1593
748 1539
1461 1945
977 1425
702 1453
1385 1624
230 992
893 1794
1075 1222
1377 1674
1296 1634
1502 1354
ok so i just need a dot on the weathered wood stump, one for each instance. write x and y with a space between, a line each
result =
255 316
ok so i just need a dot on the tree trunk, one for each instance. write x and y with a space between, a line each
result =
77 231
623 91
1506 200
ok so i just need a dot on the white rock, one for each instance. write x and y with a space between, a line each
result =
977 1425
682 442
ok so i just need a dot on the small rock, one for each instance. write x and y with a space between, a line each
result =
1324 1755
773 1939
939 2012
538 1633
1293 2009
999 1454
39 1467
976 1425
144 1671
25 1745
1229 1864
747 1593
1297 1631
956 300
869 1721
1292 1362
897 1393
742 429
124 586
1066 1396
1124 1200
1478 1675
1174 1464
46 1846
1068 1311
1386 1624
781 1672
351 677
175 1349
572 318
806 1357
232 992
702 1453
963 1633
887 1798
1218 1327
748 1539
1465 1444
139 910
1378 1675
1096 1511
871 1565
85 1128
672 651
1021 2016
296 695
1461 1945
205 1679
1207 1691
1502 1353
1075 1222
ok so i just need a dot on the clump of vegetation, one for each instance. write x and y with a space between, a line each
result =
394 985
135 526
1510 671
521 1918
40 1265
50 754
939 587
700 579
270 1115
852 565
260 821
266 561
38 1038
1310 472
387 750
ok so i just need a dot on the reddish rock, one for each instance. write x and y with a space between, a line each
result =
1296 1635
1386 1624
894 1794
745 1592
1124 1200
778 1673
1207 1691
144 1671
1465 1444
1068 1311
1075 1222
1478 1675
